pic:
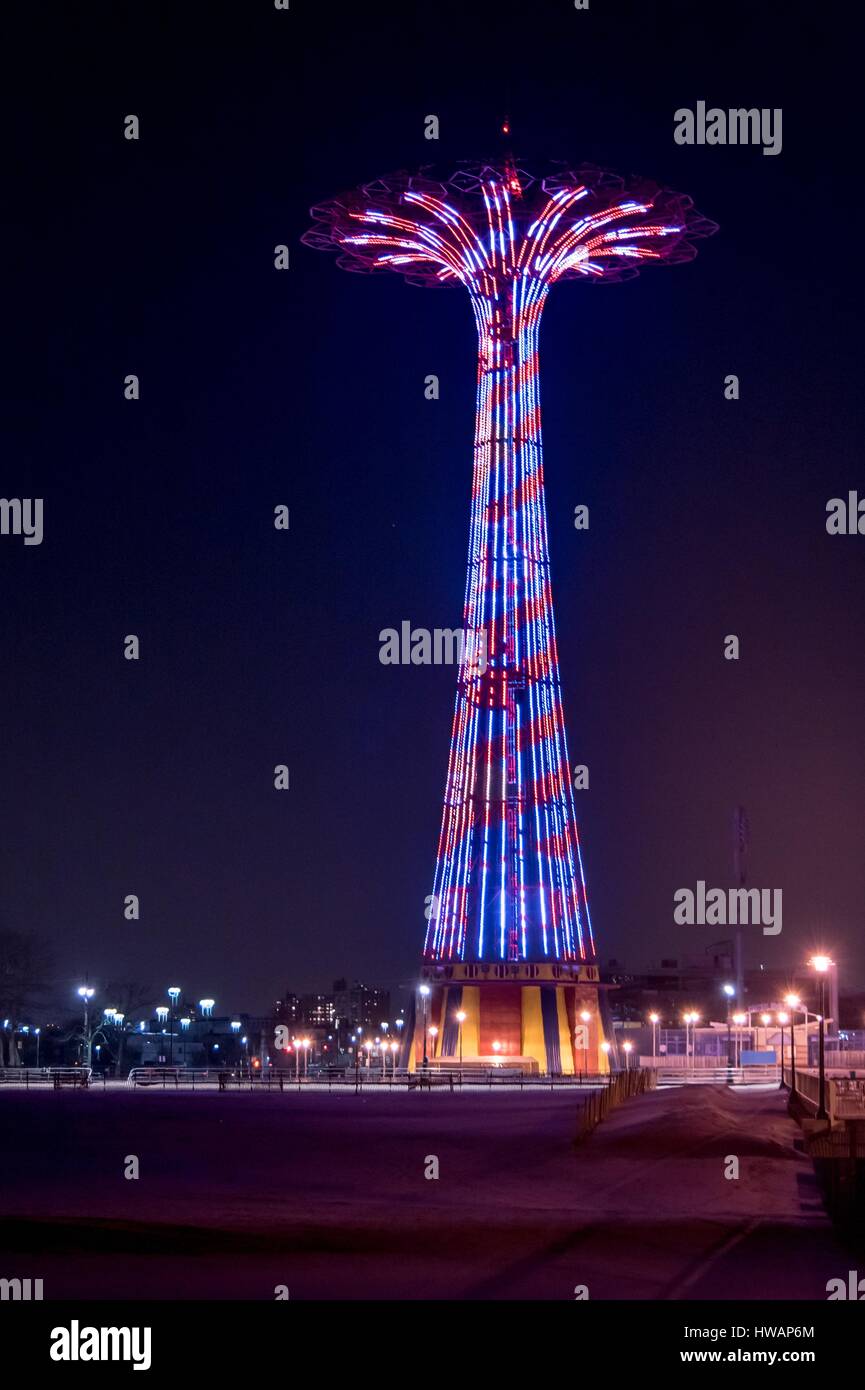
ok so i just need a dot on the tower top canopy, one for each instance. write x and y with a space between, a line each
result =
492 221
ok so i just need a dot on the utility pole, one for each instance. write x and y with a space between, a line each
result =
741 849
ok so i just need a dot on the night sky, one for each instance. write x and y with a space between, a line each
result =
305 388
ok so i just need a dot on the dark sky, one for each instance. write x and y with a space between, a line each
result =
306 388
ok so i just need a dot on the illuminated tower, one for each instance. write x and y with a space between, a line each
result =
509 957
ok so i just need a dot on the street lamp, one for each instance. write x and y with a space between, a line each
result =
605 1048
740 1020
461 1018
793 1002
654 1019
174 995
206 1007
86 993
782 1019
692 1018
729 991
424 994
433 1032
822 965
627 1048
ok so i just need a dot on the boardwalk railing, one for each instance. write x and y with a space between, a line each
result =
619 1086
431 1078
845 1096
758 1075
46 1076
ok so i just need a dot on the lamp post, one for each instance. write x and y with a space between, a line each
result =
605 1048
740 1020
37 1032
424 994
585 1019
783 1018
433 1032
793 1002
161 1016
174 995
627 1048
86 993
461 1019
654 1020
822 965
729 991
692 1018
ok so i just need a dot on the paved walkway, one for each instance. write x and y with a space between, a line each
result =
327 1195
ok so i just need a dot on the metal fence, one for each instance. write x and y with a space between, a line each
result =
431 1078
56 1077
620 1086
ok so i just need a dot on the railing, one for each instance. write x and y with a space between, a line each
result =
761 1074
845 1096
431 1078
619 1086
46 1076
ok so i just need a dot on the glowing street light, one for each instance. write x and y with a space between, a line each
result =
461 1018
424 993
793 1002
627 1048
86 993
433 1032
654 1019
206 1007
822 965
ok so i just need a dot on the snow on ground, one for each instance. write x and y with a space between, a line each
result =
238 1193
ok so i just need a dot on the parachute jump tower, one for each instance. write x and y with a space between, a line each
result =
509 970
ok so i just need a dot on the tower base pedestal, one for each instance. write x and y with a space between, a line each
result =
541 1018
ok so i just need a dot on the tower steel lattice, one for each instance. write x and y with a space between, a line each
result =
509 880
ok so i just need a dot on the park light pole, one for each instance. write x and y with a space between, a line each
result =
654 1019
627 1048
433 1032
161 1016
174 995
783 1017
740 1020
693 1018
461 1018
86 993
424 994
822 965
793 1003
729 991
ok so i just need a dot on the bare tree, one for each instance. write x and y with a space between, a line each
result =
129 997
25 977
